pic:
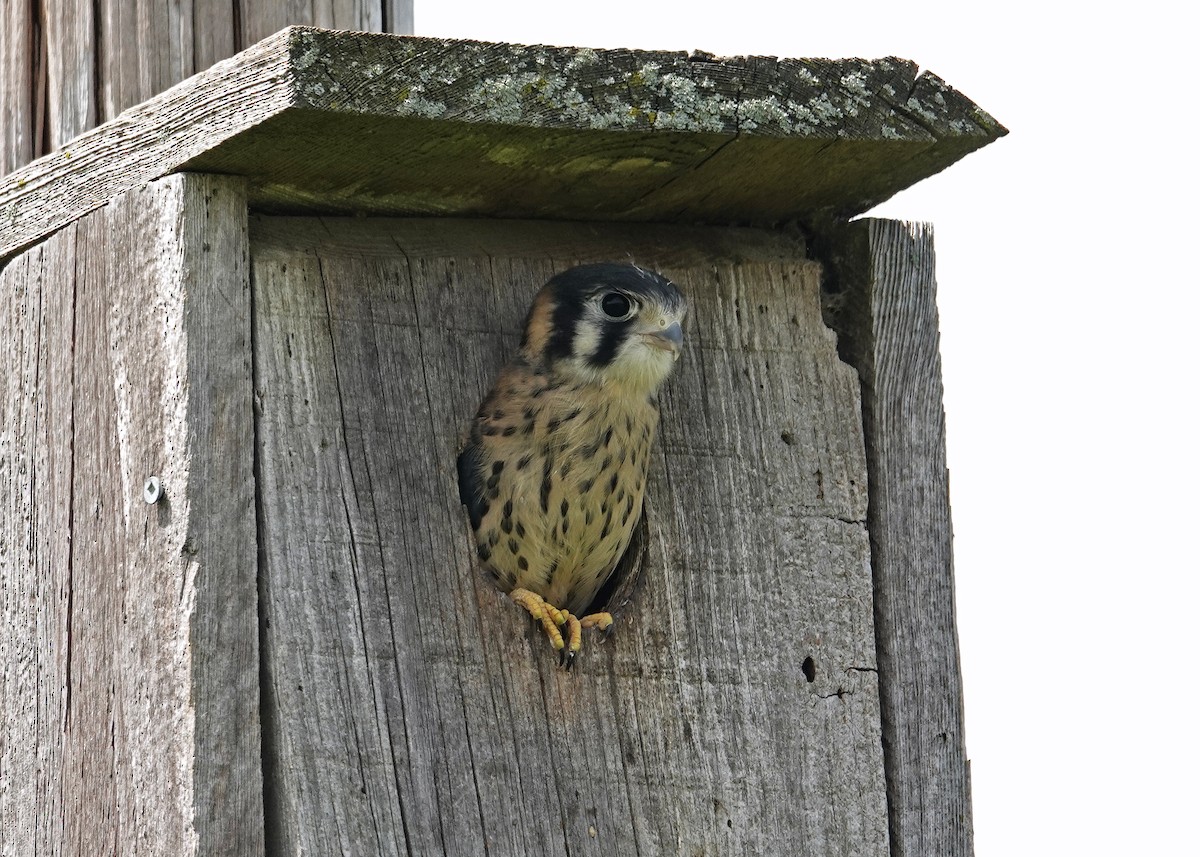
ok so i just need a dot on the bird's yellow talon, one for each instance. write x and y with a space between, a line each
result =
542 612
599 621
574 634
551 617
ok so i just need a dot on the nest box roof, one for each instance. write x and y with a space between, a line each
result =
337 122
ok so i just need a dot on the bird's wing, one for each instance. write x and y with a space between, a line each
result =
470 479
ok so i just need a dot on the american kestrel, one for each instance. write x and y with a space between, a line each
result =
554 472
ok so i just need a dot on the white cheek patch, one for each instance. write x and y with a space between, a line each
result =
587 339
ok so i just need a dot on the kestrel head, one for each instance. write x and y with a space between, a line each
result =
613 324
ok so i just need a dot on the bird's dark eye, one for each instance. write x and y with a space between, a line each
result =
616 305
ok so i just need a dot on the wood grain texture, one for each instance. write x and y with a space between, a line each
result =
96 58
323 121
262 18
398 16
129 641
36 475
885 312
22 64
147 46
70 67
413 710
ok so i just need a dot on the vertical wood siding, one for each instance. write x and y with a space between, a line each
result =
70 65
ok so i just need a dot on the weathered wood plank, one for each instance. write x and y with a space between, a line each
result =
214 36
398 17
669 244
130 661
112 154
206 219
22 62
70 62
262 18
367 123
36 472
146 47
886 315
138 49
412 709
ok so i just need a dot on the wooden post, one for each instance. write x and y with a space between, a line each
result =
300 383
69 65
129 640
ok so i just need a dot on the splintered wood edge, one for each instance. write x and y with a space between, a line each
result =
884 309
511 101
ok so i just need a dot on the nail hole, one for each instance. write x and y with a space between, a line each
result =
809 668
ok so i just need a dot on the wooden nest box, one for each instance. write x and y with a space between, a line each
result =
281 288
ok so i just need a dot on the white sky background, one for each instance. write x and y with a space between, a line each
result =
1067 285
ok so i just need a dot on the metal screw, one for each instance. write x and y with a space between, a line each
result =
152 491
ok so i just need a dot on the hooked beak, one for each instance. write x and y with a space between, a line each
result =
668 339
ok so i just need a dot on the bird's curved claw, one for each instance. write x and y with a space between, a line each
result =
600 621
552 619
549 616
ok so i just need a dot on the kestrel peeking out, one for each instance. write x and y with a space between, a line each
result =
554 472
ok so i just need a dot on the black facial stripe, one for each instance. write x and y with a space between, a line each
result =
611 337
564 319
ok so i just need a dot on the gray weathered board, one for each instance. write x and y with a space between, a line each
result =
68 65
359 123
411 709
406 704
881 275
128 632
